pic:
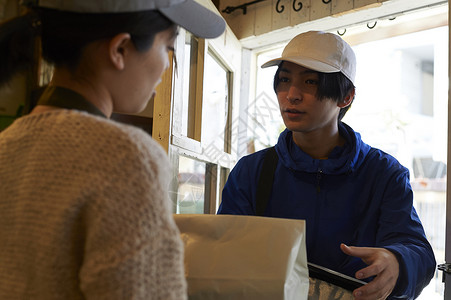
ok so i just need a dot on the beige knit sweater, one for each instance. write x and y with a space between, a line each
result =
84 212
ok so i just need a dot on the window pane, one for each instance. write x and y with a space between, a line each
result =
191 186
215 104
401 108
265 122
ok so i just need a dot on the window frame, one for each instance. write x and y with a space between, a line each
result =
190 144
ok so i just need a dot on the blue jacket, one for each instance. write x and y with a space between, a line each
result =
359 196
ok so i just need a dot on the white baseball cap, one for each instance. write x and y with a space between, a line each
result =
188 14
319 51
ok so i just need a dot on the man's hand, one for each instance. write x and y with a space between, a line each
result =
382 263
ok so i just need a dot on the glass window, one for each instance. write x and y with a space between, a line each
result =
191 186
201 142
264 122
215 105
401 107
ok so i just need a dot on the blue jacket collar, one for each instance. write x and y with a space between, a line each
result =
342 159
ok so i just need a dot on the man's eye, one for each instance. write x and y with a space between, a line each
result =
311 81
283 79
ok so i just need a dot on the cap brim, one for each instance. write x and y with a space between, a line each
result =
195 18
305 62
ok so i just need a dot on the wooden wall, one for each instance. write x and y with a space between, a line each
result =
262 17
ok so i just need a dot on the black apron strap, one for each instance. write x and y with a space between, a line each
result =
265 182
68 99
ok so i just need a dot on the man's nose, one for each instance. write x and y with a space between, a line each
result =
294 93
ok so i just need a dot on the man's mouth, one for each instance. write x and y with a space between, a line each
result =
293 111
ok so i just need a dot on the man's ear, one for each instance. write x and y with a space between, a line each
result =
118 49
347 100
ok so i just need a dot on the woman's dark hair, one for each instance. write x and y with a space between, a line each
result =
335 86
17 44
65 34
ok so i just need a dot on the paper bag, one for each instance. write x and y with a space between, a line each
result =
244 257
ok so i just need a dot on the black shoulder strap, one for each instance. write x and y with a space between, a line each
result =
68 99
265 181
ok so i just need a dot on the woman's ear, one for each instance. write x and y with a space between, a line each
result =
119 46
347 100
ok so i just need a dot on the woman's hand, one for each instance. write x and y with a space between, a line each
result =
382 264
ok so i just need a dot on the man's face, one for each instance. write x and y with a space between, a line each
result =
300 108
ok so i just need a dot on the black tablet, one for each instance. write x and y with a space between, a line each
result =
333 277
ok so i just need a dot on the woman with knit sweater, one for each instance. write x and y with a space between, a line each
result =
84 211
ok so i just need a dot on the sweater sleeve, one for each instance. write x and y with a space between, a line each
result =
132 248
401 231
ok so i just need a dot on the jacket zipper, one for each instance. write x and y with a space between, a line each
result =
318 180
319 174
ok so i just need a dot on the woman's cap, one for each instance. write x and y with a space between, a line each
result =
319 51
188 14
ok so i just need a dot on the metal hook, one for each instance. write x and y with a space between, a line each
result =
279 10
230 9
371 27
341 34
326 2
299 5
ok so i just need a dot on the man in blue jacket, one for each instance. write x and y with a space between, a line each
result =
348 192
